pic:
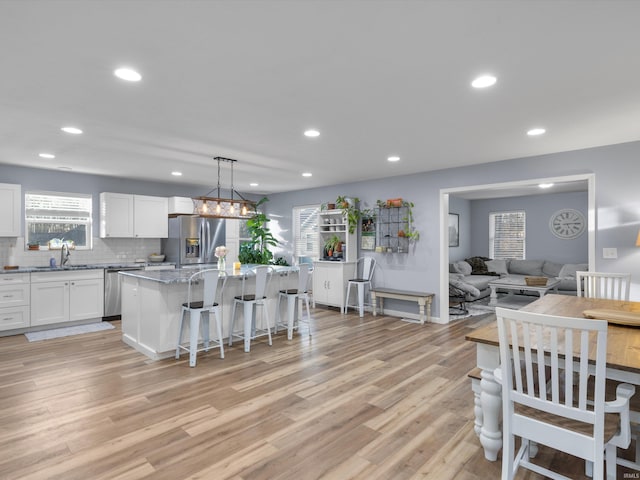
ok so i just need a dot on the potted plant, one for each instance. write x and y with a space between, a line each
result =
333 244
349 205
257 249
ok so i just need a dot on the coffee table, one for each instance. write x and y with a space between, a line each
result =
512 285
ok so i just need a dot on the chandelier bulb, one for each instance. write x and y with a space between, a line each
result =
244 209
218 207
231 209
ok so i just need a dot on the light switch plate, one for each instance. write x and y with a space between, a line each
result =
609 253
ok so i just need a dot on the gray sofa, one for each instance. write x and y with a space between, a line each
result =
471 277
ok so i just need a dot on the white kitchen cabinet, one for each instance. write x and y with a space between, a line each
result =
133 216
14 301
330 282
150 217
66 296
10 209
116 215
180 206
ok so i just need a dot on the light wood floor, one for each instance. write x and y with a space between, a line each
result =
371 398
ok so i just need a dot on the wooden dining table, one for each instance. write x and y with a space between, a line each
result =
623 353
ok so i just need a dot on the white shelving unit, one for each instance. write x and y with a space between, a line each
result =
331 274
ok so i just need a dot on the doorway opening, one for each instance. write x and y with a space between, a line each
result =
509 189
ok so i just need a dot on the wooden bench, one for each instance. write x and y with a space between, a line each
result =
423 298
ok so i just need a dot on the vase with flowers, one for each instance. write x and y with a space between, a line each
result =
221 254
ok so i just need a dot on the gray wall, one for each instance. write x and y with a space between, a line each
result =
541 244
467 238
616 169
33 179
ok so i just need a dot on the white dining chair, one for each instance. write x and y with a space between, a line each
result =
568 413
292 295
251 302
613 286
364 270
196 308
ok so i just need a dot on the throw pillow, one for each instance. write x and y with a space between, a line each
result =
478 267
463 267
497 266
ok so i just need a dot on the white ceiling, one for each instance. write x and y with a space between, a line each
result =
244 79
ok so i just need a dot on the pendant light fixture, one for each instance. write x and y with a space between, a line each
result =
224 207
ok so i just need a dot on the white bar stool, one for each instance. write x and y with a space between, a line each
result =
196 309
367 265
249 301
292 295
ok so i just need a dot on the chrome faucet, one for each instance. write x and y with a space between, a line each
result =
64 255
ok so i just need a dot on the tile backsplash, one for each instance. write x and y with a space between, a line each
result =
105 250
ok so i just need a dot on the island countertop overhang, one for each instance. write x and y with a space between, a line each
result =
182 275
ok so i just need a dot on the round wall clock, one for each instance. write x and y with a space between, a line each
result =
567 223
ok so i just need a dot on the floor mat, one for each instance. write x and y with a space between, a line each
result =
68 331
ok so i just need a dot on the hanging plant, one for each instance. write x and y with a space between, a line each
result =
349 205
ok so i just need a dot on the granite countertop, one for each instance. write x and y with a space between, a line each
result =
182 275
88 266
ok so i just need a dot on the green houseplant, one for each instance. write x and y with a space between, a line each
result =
349 205
410 232
332 244
257 250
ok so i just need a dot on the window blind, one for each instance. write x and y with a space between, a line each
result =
305 231
507 235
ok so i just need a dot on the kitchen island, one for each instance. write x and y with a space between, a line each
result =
152 300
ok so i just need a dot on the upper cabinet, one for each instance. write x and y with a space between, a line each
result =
10 209
140 216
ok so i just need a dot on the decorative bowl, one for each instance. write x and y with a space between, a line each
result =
156 258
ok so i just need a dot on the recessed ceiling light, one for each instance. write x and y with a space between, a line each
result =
307 174
393 158
545 185
72 130
176 174
127 74
484 81
253 184
536 131
46 155
312 133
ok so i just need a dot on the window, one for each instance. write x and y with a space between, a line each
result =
305 233
58 217
507 235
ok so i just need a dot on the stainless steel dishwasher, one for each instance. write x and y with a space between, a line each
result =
112 298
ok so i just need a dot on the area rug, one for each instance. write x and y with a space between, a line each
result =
68 331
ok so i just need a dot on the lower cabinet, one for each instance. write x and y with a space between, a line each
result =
58 297
330 282
14 301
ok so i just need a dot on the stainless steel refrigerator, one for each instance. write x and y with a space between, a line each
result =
193 239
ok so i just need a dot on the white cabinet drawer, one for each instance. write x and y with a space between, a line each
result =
13 295
13 278
67 275
14 317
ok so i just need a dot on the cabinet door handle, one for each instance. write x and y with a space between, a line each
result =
7 296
